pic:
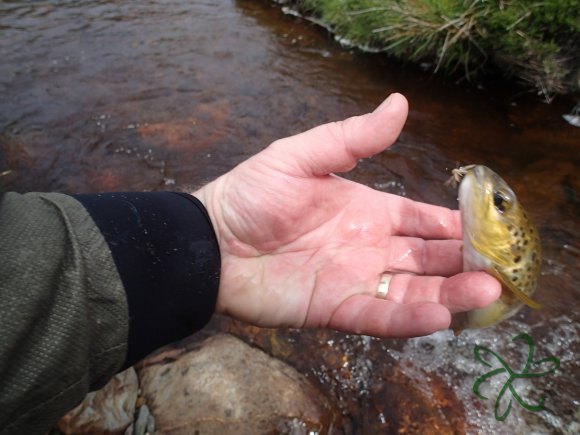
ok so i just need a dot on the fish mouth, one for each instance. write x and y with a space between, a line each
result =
485 178
479 173
474 181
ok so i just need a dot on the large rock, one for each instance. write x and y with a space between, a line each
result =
227 387
107 411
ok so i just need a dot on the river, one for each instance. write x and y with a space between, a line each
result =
153 95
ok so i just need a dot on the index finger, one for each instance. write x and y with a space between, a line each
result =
417 219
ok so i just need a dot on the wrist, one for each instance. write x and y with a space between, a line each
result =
206 195
209 198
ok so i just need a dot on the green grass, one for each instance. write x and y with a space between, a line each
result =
537 42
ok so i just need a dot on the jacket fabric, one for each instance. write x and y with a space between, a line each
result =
91 284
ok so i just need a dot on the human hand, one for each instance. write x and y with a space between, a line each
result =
302 247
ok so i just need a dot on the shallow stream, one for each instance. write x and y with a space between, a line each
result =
150 95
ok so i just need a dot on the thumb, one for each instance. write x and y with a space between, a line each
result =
337 146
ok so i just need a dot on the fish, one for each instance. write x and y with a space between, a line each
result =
500 239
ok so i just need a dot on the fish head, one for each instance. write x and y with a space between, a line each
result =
499 233
489 209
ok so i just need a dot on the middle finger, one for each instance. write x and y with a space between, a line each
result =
424 257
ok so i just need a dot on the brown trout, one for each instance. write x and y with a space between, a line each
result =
498 238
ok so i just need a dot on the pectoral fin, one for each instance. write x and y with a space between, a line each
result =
516 291
499 255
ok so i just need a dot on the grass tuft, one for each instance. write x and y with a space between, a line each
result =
537 42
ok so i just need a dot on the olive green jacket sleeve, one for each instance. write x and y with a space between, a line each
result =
63 314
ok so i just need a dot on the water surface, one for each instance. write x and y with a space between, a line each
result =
151 95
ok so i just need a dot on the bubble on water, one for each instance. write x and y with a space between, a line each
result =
394 187
366 340
452 359
574 427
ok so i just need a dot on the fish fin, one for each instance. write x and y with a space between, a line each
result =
497 256
458 321
516 291
456 330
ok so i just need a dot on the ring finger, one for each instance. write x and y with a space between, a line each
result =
462 292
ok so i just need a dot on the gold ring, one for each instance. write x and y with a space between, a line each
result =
384 283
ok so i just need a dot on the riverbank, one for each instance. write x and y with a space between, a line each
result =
534 42
94 100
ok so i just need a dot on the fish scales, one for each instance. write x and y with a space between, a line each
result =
499 238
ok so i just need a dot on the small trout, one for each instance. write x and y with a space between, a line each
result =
498 238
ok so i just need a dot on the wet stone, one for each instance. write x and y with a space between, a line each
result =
145 422
107 411
227 387
157 104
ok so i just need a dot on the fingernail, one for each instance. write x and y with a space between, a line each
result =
385 103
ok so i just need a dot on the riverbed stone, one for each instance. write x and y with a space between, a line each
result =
109 410
228 387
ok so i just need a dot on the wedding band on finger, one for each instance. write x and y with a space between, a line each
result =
384 283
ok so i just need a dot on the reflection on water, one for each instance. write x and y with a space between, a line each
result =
100 95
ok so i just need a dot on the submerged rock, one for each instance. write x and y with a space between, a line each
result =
107 411
228 387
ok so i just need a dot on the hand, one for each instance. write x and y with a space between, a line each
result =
302 247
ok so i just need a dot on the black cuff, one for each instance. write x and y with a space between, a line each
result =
167 256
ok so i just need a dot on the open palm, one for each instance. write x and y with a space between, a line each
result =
302 247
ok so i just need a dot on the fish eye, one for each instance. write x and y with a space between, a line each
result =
501 201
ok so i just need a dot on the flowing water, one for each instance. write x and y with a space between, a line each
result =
151 95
